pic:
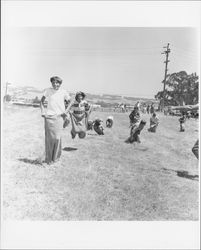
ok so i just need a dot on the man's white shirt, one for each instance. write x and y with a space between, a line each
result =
55 99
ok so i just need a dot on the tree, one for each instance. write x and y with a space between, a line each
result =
181 89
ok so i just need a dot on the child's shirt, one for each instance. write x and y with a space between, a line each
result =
79 108
98 122
55 99
154 120
182 119
134 117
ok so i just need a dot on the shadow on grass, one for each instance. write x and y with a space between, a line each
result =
183 174
141 149
31 161
92 134
69 149
136 146
168 137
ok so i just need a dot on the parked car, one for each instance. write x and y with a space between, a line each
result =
174 112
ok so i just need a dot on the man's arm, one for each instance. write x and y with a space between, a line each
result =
42 106
70 103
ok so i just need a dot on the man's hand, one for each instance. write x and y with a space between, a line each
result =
43 114
64 115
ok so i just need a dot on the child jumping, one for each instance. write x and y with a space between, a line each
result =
79 114
134 117
136 126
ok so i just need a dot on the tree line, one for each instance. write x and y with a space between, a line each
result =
181 89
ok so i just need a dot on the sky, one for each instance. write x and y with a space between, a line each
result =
97 60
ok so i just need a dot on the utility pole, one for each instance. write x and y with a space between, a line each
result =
166 52
6 90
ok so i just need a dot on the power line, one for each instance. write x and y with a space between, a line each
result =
185 50
187 56
111 48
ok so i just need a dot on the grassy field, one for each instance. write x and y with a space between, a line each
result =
99 177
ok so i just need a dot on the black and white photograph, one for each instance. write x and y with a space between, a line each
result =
99 123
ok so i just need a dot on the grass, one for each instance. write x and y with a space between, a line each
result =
99 177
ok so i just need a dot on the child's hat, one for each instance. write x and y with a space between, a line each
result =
80 93
143 122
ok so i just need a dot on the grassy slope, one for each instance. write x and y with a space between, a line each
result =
104 178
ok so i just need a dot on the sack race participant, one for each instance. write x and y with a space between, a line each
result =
135 132
109 121
136 126
154 121
148 109
98 126
66 116
137 105
152 109
195 149
134 117
188 115
182 121
53 118
79 114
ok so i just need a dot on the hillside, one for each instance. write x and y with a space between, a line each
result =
29 92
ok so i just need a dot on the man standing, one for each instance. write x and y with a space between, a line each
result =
182 121
53 118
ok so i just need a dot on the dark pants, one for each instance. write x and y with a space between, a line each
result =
182 127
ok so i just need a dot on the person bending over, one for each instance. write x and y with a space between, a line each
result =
154 121
109 121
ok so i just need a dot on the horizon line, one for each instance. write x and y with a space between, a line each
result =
88 92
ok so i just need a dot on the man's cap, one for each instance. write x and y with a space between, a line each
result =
56 78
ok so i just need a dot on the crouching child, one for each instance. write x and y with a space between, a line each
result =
109 121
135 132
98 126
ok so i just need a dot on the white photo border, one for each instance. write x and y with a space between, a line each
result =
101 235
